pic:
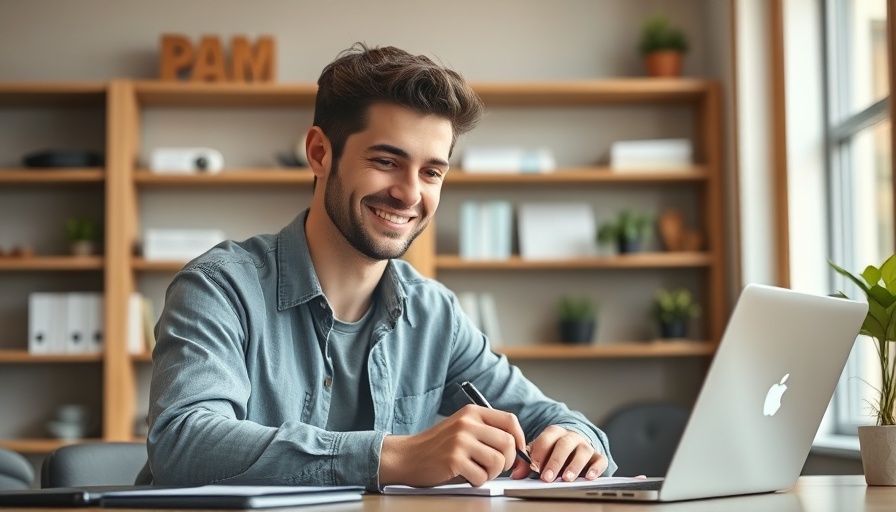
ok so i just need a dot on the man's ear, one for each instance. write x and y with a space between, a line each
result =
318 151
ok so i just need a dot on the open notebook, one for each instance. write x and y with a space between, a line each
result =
497 486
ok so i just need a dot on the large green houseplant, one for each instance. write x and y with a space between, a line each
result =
879 286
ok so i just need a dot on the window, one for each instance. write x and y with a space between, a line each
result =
860 174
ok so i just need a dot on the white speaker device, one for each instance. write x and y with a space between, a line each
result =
186 160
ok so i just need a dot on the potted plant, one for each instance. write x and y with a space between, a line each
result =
662 46
878 442
630 230
673 309
577 319
82 235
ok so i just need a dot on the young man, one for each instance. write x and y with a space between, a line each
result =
314 356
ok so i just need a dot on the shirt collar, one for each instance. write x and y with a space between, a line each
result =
297 281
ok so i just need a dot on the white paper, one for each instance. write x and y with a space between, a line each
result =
497 486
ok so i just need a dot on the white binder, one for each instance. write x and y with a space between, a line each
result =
58 328
95 324
38 323
77 322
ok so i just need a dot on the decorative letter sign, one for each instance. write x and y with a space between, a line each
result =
179 60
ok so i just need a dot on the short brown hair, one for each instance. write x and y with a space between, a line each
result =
361 76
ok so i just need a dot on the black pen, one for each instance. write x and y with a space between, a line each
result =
476 397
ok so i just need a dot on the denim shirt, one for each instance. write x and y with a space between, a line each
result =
240 389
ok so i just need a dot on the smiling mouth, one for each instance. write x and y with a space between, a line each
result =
391 217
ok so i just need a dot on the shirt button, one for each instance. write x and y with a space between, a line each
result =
323 305
328 382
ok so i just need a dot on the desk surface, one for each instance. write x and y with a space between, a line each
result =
811 494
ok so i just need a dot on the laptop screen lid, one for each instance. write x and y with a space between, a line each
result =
764 396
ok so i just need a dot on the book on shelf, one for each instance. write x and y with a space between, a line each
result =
486 230
162 244
482 311
65 323
141 321
651 155
493 159
556 231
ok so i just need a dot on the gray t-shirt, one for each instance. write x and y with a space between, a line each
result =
351 405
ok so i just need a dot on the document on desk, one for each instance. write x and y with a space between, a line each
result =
497 486
230 496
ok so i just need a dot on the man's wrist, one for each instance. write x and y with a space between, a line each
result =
390 460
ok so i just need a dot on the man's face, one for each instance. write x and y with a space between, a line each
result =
385 188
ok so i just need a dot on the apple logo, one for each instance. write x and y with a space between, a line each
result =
773 398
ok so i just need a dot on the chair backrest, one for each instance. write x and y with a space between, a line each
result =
15 471
643 436
104 463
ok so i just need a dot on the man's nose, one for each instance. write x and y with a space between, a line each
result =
407 188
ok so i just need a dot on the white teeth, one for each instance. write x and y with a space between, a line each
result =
392 218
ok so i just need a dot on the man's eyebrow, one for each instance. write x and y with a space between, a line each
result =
397 151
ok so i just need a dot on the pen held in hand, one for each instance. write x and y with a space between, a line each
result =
476 398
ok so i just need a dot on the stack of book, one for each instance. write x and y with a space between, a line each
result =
65 323
651 155
486 230
507 160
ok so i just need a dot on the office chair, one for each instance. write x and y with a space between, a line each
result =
104 463
643 436
15 471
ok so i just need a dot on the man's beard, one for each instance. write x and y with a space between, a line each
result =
349 223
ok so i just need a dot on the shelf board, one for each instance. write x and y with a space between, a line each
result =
23 356
579 175
53 94
40 445
547 93
638 260
187 94
227 177
52 176
613 350
52 263
145 357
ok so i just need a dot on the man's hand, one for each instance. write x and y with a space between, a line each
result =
562 453
474 444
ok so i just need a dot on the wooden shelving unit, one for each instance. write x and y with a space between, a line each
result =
123 181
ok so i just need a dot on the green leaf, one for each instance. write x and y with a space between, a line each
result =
881 295
849 276
871 275
888 273
876 320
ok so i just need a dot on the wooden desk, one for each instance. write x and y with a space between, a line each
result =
811 494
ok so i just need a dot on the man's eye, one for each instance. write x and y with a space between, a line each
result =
382 162
433 173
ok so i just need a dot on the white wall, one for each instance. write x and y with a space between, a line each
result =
45 40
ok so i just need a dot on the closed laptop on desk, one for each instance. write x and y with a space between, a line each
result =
761 403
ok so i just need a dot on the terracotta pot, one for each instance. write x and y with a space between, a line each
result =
878 446
663 64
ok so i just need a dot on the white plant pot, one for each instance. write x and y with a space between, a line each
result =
878 446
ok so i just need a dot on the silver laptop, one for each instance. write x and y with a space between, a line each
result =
763 398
